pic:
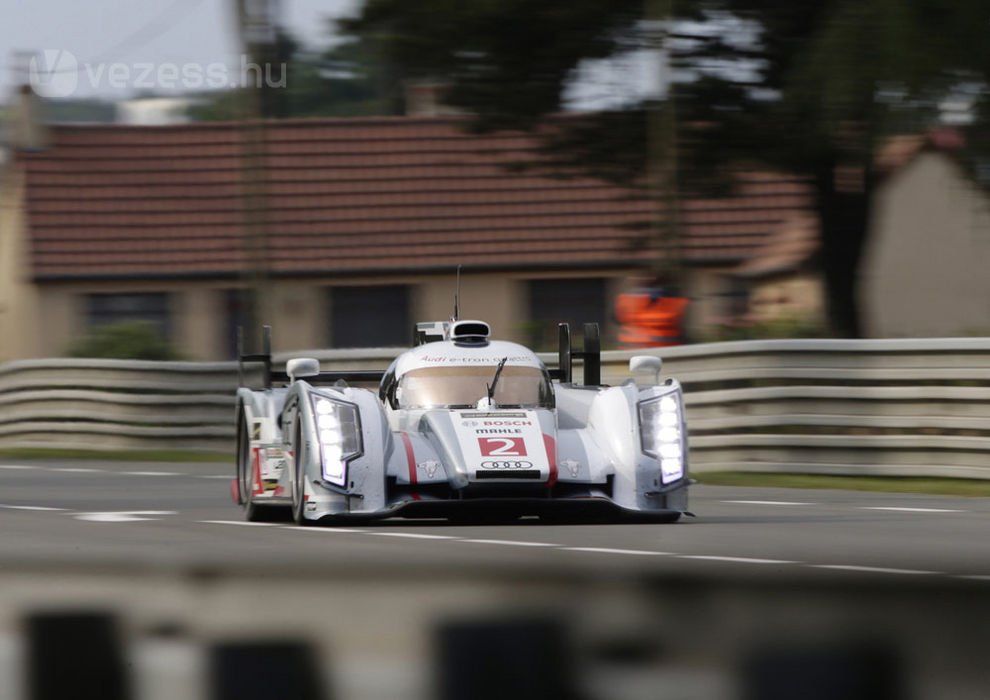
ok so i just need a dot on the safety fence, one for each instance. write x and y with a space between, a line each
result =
881 407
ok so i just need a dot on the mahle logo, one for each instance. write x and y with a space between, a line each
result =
54 73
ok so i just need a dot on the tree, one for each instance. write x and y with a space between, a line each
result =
127 340
345 80
809 87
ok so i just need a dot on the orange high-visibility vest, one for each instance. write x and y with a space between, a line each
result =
648 321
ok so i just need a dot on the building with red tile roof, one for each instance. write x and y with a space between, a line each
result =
353 227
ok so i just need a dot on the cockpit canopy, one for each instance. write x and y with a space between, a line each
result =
465 386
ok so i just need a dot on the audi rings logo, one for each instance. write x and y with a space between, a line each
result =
508 464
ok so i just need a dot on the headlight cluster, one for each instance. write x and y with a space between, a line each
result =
661 426
338 429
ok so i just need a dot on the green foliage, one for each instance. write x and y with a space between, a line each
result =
77 111
350 79
783 327
128 340
895 484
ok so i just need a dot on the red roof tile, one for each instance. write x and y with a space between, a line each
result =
348 195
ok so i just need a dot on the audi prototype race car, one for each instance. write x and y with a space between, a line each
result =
461 425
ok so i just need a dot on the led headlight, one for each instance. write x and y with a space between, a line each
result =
338 430
661 429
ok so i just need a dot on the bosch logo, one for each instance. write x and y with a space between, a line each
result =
469 423
508 464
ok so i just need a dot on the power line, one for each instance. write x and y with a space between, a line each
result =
140 38
150 31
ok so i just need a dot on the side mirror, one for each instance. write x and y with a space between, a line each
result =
646 363
300 367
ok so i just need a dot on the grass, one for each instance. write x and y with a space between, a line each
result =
894 484
115 455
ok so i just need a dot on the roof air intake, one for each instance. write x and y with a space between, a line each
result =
470 332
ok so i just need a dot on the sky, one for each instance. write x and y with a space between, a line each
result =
116 49
87 37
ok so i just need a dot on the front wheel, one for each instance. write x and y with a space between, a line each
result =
253 512
245 465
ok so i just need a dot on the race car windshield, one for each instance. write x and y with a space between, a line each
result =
463 387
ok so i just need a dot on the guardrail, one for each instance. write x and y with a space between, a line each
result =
879 407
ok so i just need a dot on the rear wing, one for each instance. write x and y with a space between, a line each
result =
590 354
279 377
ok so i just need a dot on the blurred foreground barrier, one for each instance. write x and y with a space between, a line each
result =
878 407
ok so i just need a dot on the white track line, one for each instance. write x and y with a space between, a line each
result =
414 535
152 473
77 470
772 503
512 543
18 466
237 522
734 560
43 508
600 550
912 510
608 550
122 516
874 569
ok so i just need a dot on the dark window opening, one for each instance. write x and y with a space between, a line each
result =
370 317
105 309
236 316
572 301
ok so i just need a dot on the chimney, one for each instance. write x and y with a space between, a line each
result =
425 98
26 126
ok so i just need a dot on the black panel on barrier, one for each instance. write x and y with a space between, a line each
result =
75 656
264 670
503 659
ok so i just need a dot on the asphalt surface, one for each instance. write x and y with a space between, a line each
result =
164 515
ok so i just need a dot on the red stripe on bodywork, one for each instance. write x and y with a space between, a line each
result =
551 446
410 457
259 486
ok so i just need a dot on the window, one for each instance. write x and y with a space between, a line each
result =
573 301
103 309
369 317
236 311
463 387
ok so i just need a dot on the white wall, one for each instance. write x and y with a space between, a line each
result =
926 268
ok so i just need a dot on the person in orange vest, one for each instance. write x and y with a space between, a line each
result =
651 316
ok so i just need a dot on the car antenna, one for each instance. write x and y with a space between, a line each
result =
491 387
457 295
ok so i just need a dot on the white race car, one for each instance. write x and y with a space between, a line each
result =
462 426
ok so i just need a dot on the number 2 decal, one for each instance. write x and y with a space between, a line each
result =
502 447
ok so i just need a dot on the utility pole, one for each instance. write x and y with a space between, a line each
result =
662 168
257 22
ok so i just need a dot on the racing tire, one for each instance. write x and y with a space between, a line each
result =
253 512
243 468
